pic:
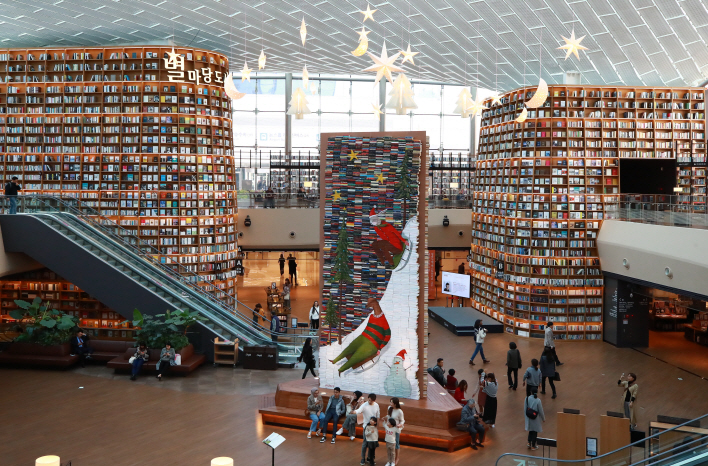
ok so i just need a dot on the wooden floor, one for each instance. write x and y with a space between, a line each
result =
112 421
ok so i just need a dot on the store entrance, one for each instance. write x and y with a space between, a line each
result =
666 324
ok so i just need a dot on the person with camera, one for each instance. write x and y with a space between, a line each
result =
629 397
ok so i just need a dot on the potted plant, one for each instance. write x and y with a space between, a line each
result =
42 324
165 328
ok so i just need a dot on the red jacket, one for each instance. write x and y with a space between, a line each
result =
387 232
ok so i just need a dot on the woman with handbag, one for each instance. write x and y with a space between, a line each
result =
534 419
470 421
490 406
350 421
140 357
548 371
480 333
167 360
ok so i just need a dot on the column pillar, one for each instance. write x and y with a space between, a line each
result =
382 101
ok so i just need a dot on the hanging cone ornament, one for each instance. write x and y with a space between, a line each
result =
298 104
401 96
305 77
303 31
464 102
261 60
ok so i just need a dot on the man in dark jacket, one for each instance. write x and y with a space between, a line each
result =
79 345
11 190
292 269
438 372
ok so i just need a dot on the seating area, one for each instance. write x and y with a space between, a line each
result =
429 423
30 354
190 361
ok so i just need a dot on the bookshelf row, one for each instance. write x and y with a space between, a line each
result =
151 149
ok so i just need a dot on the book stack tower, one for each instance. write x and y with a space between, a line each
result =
146 145
544 186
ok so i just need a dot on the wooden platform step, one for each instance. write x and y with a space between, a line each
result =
417 436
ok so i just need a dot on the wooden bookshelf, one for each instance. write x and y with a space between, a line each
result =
113 127
98 320
543 188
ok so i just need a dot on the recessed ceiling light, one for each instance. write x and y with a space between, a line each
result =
138 12
60 22
102 6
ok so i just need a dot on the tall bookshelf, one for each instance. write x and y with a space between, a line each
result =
543 188
146 145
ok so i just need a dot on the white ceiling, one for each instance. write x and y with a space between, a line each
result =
633 42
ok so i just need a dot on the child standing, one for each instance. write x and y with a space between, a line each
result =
390 438
371 441
451 384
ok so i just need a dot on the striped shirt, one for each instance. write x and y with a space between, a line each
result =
377 330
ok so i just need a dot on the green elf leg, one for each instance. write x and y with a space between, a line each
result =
363 350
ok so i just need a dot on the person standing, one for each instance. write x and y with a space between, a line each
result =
438 372
548 341
629 397
368 410
396 413
80 346
256 314
390 439
534 418
451 384
533 375
281 263
286 294
371 441
270 198
335 410
262 313
292 269
167 360
490 406
11 190
513 364
350 421
315 316
314 407
140 357
548 371
274 326
480 334
307 356
470 420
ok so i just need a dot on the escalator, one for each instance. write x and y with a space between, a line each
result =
124 272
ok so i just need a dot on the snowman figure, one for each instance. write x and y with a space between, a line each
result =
397 384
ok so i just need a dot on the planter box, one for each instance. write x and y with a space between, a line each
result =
33 354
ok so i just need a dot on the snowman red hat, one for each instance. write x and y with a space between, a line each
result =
402 354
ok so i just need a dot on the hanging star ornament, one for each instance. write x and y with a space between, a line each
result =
377 111
476 107
408 55
303 31
363 43
572 45
496 99
352 155
384 65
369 13
261 60
245 72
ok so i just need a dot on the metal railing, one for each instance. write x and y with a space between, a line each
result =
681 210
678 445
279 200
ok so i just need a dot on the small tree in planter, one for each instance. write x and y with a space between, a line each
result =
44 325
156 332
331 317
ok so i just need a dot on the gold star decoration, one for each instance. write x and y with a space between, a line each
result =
303 31
380 178
245 72
496 99
572 45
369 13
384 65
377 111
408 55
363 34
352 155
173 56
336 196
261 60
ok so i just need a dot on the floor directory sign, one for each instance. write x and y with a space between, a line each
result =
456 284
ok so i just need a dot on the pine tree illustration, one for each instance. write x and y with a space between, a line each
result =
342 272
330 316
404 188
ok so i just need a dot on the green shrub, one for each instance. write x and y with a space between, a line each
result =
44 325
170 327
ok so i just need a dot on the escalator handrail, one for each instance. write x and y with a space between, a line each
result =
105 221
228 324
638 443
223 310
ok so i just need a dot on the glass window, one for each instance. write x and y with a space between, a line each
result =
271 95
363 95
244 129
335 96
450 95
271 129
335 123
306 132
427 97
311 93
456 133
431 125
398 122
364 122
